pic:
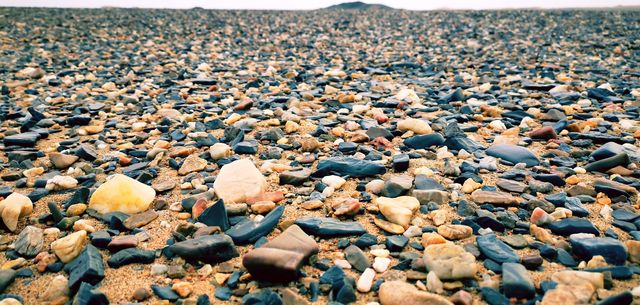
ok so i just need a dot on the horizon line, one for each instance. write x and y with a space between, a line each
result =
323 8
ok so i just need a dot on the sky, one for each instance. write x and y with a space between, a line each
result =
315 4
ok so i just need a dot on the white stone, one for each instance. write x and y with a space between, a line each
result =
380 264
122 194
13 207
238 181
219 151
366 280
58 183
334 181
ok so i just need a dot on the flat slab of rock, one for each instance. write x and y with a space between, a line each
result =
210 249
611 249
238 181
280 259
513 154
329 227
348 166
568 226
496 249
497 198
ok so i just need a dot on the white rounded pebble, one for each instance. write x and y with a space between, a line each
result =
333 181
342 263
381 264
366 280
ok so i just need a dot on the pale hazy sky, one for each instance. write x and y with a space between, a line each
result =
309 4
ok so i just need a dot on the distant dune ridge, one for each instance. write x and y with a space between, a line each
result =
359 5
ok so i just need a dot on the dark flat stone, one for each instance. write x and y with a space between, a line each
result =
329 227
209 249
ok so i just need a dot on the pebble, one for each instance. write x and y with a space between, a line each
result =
70 246
238 181
122 194
13 208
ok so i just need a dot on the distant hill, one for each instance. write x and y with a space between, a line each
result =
358 5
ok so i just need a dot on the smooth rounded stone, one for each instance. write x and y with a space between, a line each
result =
219 150
239 180
573 277
295 177
374 186
365 282
329 227
208 249
13 208
461 297
6 278
621 159
122 242
335 182
633 247
141 294
56 289
543 133
402 293
496 198
164 184
249 231
348 206
416 125
511 185
70 246
513 154
62 161
357 258
497 250
380 264
455 232
396 186
449 261
139 220
516 282
426 196
516 241
424 141
398 210
613 251
568 226
348 166
122 194
30 241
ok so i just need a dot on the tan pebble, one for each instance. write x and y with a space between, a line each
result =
183 289
76 209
